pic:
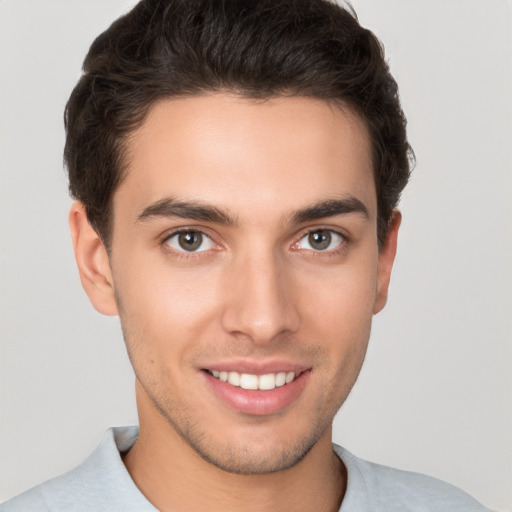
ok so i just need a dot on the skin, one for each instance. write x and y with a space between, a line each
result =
257 291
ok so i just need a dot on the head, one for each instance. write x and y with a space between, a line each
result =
261 49
237 165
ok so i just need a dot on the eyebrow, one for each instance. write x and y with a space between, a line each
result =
171 207
330 208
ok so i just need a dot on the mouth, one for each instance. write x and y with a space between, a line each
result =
249 381
258 393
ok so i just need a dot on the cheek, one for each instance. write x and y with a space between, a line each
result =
342 299
344 326
163 311
339 314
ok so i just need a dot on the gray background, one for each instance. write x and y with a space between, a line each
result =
435 393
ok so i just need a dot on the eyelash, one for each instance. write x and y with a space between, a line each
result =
188 255
344 240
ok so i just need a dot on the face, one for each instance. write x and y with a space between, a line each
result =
246 271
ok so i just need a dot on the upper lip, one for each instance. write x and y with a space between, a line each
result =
256 367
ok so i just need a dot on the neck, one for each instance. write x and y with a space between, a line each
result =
172 476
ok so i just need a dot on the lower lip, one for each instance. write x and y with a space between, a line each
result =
257 402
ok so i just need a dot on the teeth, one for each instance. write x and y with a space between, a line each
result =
234 379
267 381
248 381
280 379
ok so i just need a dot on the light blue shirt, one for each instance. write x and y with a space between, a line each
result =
102 484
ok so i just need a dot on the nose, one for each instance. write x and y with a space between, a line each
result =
260 302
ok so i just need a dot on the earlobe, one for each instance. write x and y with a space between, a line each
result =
386 258
92 261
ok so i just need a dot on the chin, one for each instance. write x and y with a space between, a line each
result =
250 458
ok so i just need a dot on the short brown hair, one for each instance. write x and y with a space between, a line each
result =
255 48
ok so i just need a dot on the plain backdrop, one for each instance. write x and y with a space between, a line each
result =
435 393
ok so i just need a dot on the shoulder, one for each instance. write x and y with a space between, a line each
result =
101 483
372 487
50 496
31 500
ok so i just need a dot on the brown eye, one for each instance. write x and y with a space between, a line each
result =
321 240
190 241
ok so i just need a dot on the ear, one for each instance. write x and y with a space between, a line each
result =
93 262
385 264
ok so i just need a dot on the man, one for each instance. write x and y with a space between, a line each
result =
237 168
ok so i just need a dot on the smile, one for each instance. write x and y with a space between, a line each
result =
264 382
257 391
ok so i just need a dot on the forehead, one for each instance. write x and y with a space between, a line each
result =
240 153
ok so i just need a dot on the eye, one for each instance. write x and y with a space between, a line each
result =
189 241
320 240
